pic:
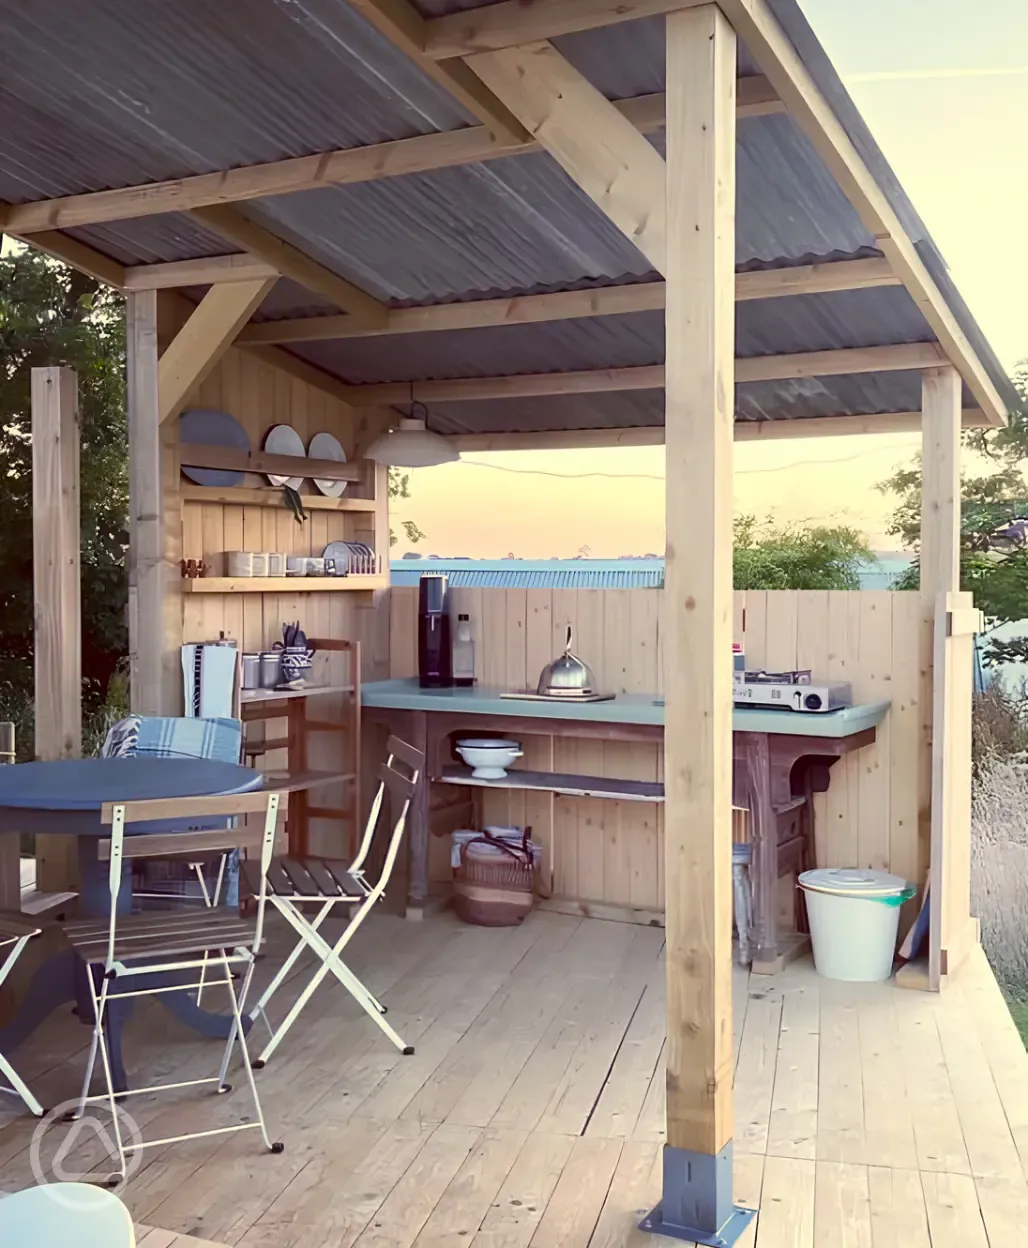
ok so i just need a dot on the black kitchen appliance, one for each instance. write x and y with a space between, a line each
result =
435 648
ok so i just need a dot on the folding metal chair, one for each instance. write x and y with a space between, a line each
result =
327 883
16 930
164 944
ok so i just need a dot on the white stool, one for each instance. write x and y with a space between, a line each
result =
62 1215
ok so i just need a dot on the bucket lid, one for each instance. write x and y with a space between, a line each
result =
852 882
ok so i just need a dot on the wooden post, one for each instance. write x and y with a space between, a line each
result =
951 930
700 390
155 618
58 614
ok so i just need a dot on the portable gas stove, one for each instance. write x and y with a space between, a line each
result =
790 691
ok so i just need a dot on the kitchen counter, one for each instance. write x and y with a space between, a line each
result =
626 708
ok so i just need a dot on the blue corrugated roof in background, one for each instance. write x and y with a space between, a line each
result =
535 573
642 573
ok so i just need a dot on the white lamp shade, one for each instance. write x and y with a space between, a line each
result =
411 446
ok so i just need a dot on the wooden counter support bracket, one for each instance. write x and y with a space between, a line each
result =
696 1203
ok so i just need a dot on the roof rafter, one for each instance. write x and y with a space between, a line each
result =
745 431
592 141
517 22
807 279
907 356
290 261
404 27
342 167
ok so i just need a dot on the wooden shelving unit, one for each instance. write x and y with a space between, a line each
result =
285 584
299 779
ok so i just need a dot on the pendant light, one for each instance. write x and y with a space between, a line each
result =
413 444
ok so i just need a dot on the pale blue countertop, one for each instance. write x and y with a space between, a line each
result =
626 708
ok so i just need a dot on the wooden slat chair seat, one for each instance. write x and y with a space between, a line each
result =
292 882
16 930
166 949
307 879
156 935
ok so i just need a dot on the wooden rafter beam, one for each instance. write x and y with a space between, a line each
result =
906 356
79 255
592 141
205 271
343 167
744 430
400 23
807 279
517 22
204 339
290 261
774 52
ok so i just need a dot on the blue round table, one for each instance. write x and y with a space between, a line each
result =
67 796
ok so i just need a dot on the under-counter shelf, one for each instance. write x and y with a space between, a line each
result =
283 584
261 697
301 781
556 782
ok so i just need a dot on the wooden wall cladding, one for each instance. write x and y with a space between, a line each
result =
874 815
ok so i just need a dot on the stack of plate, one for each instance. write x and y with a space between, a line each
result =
351 558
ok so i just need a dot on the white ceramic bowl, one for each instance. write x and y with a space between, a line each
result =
488 757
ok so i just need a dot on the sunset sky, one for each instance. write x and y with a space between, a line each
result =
944 87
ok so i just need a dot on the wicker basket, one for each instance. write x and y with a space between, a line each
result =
494 886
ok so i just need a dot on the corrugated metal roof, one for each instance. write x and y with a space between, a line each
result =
116 93
854 318
535 574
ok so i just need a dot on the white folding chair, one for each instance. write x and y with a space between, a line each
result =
165 943
16 930
327 883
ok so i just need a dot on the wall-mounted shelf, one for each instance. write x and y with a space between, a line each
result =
262 697
270 496
569 786
283 584
193 455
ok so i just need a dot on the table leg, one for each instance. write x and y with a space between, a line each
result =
417 824
765 852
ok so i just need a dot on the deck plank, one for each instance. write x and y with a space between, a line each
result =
842 1205
792 1126
954 1217
898 1215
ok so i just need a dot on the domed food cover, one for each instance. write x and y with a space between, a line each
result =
567 676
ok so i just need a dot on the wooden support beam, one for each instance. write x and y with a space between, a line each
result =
744 431
700 317
79 255
404 26
288 260
341 167
804 279
594 143
757 27
516 22
57 595
940 485
206 271
155 527
204 339
904 356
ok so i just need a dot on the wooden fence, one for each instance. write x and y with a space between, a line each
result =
876 813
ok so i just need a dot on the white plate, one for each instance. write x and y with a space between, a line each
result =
284 440
325 446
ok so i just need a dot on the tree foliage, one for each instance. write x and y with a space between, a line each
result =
399 487
767 556
993 541
50 315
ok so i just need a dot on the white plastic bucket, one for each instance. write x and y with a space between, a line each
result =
854 918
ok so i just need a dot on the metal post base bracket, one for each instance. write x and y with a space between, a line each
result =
697 1203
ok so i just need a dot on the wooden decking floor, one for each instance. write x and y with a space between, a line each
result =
531 1113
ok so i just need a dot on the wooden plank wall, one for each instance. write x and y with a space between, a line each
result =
876 812
259 396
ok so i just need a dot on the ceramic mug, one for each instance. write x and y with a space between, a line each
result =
260 563
276 564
